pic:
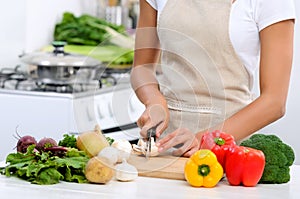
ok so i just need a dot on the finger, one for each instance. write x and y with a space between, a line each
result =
140 123
166 139
157 113
181 150
190 152
186 150
161 128
176 137
169 141
144 130
189 146
142 120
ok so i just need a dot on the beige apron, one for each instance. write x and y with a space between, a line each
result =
203 79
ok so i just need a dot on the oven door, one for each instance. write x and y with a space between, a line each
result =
115 111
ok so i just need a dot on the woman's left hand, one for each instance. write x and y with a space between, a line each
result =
187 140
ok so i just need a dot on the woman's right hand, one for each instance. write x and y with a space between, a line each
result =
154 114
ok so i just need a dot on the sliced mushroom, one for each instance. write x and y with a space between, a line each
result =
141 147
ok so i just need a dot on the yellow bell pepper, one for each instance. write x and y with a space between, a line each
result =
203 169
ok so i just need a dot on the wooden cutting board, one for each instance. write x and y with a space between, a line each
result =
163 166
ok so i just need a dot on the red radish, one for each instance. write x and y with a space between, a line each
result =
45 143
24 142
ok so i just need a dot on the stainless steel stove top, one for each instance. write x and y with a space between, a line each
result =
17 80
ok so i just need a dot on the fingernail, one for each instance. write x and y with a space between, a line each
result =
160 149
157 144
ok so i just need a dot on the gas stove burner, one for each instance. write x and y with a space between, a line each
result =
12 74
107 80
112 76
6 72
117 70
67 88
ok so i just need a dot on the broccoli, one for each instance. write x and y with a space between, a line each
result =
68 141
279 157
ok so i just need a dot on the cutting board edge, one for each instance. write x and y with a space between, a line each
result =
162 175
173 168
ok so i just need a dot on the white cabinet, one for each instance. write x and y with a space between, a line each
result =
53 114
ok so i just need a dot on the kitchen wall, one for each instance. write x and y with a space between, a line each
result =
12 34
27 25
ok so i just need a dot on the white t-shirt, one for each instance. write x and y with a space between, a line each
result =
247 18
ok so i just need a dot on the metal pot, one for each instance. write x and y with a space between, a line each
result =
59 67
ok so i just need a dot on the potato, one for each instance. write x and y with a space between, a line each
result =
99 170
92 142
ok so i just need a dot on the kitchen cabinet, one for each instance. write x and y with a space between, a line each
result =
42 114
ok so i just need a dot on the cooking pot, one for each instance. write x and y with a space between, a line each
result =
59 67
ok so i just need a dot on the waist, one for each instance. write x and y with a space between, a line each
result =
194 108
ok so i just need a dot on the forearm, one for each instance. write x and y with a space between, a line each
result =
143 76
146 87
146 56
260 113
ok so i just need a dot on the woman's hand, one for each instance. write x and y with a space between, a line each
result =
182 136
154 114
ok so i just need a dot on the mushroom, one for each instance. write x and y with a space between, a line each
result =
141 147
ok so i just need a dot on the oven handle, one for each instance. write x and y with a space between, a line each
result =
120 128
114 129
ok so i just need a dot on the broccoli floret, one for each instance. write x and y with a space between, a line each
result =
289 153
68 141
279 156
275 175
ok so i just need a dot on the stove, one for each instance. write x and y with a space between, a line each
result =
44 109
16 79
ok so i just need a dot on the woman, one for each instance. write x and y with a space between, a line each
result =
208 52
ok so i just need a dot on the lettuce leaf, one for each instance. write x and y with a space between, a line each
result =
44 168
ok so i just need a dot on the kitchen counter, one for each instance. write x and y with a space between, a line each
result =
146 187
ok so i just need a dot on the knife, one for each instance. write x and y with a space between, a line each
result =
151 133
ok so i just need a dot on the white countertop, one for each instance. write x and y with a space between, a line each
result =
146 187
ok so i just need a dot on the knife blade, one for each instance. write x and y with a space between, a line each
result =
151 133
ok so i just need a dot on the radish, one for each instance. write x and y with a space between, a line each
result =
46 143
24 142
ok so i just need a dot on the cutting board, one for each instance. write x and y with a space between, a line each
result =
162 166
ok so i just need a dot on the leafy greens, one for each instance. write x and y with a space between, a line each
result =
44 168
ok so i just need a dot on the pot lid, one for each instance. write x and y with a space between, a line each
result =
59 58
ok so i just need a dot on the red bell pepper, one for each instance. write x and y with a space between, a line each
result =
244 165
218 142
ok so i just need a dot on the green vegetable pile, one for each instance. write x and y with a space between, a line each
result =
279 157
92 31
68 141
46 167
95 37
